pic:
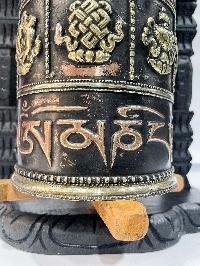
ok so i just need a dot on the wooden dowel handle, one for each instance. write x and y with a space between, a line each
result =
8 193
181 183
127 220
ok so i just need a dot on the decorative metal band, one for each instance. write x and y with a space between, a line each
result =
132 39
96 85
102 181
51 190
47 42
175 68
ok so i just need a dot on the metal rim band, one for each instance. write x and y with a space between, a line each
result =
47 190
109 192
98 181
137 88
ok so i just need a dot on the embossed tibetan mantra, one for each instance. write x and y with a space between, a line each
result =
95 92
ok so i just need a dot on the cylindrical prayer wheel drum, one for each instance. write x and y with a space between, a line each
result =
95 95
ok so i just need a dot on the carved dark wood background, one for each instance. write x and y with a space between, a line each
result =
186 30
8 25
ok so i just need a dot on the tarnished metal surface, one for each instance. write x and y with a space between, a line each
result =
95 91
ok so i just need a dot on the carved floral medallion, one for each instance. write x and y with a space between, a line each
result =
161 43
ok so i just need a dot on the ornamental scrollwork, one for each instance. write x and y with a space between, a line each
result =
28 46
88 36
161 42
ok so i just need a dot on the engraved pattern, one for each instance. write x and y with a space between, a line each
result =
89 38
27 46
161 42
43 132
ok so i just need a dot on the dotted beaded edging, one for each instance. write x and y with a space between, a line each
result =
94 81
95 85
132 39
47 43
103 181
165 187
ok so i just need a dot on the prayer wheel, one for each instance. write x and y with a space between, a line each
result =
95 95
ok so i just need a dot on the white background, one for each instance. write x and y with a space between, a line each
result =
185 253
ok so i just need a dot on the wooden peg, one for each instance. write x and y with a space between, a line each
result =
127 220
181 184
8 193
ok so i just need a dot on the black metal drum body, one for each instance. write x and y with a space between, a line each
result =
95 92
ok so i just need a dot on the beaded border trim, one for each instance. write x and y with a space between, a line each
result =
102 181
132 39
47 42
49 190
94 81
96 85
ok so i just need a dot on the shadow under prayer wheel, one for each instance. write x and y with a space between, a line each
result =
95 96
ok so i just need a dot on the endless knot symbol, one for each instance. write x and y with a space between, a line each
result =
162 43
88 37
27 45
